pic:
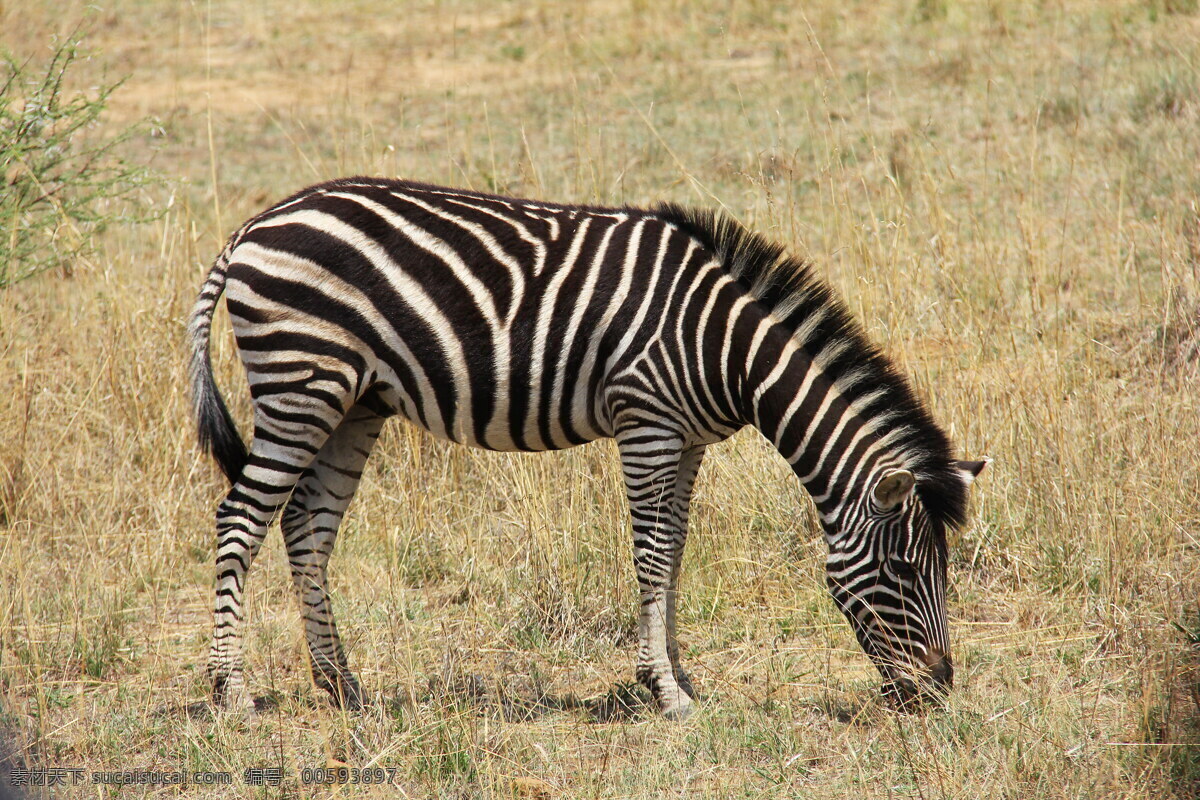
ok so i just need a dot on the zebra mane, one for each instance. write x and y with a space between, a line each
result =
810 307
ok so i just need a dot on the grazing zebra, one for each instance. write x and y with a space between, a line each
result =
516 325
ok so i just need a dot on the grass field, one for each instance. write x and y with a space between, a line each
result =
1008 194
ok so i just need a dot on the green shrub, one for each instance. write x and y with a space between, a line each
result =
60 184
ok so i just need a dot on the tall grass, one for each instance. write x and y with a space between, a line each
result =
1005 195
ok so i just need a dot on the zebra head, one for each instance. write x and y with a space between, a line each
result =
887 572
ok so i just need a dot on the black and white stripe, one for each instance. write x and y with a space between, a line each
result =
516 325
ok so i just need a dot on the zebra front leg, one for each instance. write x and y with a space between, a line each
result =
685 480
650 461
681 677
310 525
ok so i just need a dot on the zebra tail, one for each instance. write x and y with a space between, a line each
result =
216 429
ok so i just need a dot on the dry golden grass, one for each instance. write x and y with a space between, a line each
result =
1008 195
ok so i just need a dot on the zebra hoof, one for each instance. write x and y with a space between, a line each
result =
679 713
345 692
685 683
233 703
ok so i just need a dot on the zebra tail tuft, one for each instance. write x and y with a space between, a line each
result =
216 429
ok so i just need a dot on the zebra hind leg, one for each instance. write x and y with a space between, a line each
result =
279 455
310 525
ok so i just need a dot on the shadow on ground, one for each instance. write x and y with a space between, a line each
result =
523 699
204 710
507 699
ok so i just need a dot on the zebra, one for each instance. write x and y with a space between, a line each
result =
516 325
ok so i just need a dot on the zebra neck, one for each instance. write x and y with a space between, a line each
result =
816 425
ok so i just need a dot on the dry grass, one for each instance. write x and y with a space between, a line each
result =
1008 196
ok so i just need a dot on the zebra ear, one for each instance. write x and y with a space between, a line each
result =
970 469
893 488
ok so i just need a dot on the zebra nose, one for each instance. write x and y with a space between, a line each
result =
941 670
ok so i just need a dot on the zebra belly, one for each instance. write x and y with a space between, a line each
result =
491 416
